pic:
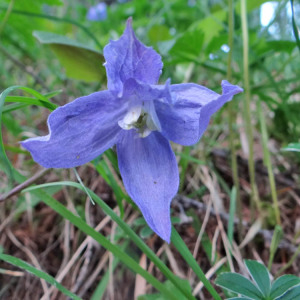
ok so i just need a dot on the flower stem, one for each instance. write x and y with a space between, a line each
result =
268 162
231 121
247 108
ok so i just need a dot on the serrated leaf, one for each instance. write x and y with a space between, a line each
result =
291 294
212 25
260 275
239 284
282 284
80 62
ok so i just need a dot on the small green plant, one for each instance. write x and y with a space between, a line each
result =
286 287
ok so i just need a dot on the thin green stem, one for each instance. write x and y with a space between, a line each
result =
188 257
267 159
7 14
247 106
289 263
232 120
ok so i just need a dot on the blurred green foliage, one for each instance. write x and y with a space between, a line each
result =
184 32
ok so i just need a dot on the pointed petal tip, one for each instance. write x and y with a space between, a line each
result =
129 25
229 88
129 21
163 230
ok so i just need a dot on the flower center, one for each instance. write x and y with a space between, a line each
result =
139 119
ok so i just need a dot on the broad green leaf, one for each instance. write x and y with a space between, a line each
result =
212 25
159 33
260 275
27 267
282 284
292 147
239 284
251 5
274 46
79 61
188 47
216 43
291 294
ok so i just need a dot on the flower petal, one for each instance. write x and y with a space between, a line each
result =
78 132
185 121
150 175
129 58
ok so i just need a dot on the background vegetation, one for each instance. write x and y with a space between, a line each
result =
239 196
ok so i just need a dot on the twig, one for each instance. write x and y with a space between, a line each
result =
24 184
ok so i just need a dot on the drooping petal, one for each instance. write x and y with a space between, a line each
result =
129 58
78 131
185 121
150 175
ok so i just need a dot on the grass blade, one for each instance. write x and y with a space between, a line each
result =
27 267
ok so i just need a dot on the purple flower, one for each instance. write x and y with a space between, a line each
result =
139 117
97 12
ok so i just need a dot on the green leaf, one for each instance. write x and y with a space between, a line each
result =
212 25
27 267
188 257
292 147
295 28
134 238
168 284
159 33
31 101
282 284
103 241
239 298
276 238
80 61
238 284
43 100
251 5
260 275
275 46
146 232
291 294
188 47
